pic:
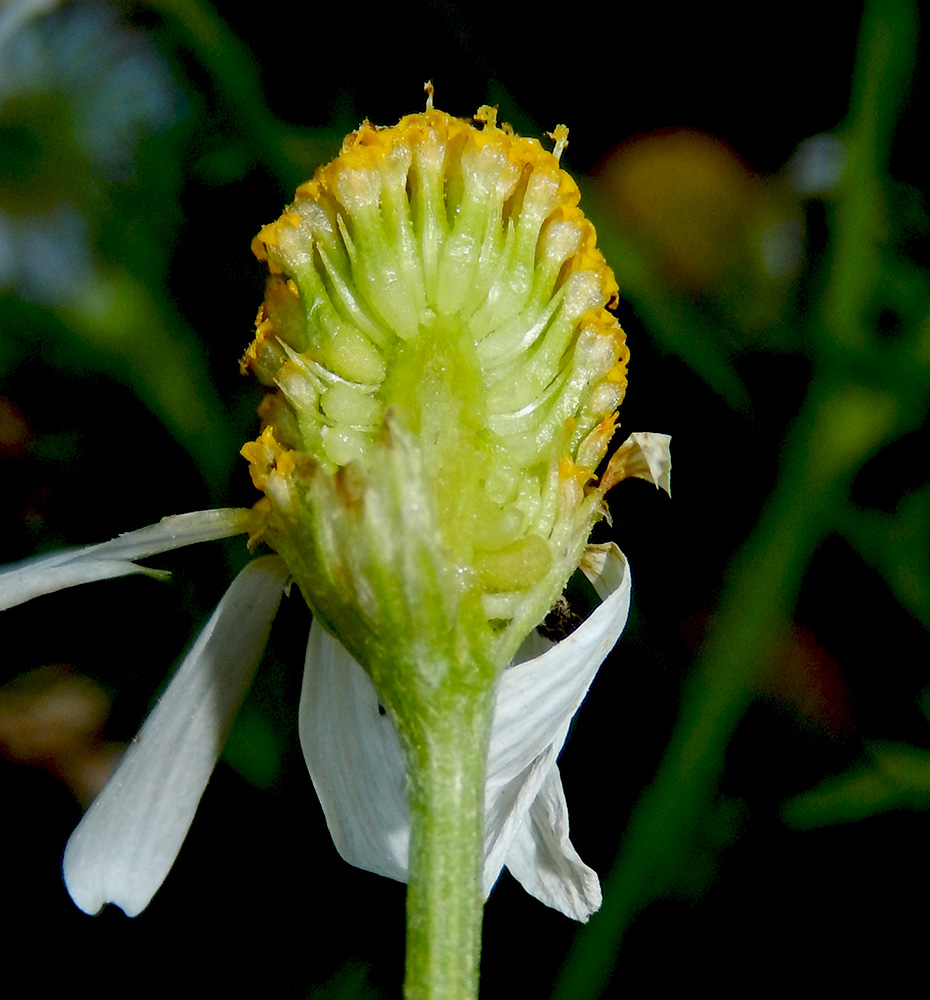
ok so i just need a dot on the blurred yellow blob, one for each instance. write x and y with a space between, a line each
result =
711 226
54 719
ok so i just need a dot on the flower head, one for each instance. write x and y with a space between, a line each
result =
444 375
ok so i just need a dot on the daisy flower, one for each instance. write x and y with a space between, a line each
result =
444 373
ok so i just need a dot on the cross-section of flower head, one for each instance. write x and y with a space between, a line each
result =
445 373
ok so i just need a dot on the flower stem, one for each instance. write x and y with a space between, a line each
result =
446 773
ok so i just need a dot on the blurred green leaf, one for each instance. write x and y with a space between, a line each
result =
893 776
254 748
351 982
898 546
853 407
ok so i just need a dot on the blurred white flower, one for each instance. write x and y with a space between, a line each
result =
79 91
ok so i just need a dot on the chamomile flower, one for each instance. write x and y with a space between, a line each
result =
444 373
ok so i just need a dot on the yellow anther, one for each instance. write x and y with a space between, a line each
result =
487 115
559 135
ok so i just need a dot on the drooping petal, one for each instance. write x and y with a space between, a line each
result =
644 455
128 839
355 760
543 860
505 809
31 578
537 698
608 572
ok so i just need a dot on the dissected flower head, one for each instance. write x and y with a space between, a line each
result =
445 374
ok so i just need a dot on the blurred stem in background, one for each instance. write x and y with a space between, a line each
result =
289 154
865 391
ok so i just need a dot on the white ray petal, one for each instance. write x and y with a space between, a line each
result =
543 860
354 758
31 578
127 841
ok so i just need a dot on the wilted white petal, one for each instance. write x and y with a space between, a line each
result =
543 860
127 841
31 578
536 699
505 809
643 455
606 573
354 758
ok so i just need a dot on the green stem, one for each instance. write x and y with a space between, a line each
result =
446 773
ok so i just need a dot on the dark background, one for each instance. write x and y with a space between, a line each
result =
259 903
